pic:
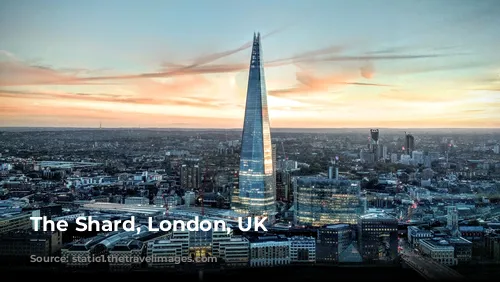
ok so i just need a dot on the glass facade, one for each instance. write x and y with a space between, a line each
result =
255 194
321 201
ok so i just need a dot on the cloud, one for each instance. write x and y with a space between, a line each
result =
14 72
155 99
372 58
309 83
32 115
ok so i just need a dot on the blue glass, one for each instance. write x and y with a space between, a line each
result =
255 194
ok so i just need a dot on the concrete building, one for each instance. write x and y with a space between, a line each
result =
235 252
439 250
415 234
302 249
127 254
268 251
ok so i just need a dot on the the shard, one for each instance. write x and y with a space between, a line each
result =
255 194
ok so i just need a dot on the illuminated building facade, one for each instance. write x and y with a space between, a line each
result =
255 194
322 201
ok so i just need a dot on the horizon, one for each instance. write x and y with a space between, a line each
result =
428 66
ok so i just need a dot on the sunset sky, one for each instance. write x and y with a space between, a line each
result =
329 63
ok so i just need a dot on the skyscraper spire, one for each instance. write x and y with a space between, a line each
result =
256 194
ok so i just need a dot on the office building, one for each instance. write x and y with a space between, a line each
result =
255 195
24 243
302 249
13 222
190 177
374 144
438 250
332 241
269 251
322 201
378 237
127 254
283 186
409 144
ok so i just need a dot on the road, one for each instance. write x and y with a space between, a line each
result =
426 267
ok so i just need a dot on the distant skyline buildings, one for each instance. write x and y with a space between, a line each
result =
256 193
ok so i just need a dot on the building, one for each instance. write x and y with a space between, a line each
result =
13 222
409 144
255 194
384 152
322 201
76 254
275 165
235 252
452 220
302 249
164 251
462 249
394 158
268 251
127 254
374 144
378 237
415 234
284 186
24 243
417 157
190 177
136 201
332 241
492 245
439 250
475 234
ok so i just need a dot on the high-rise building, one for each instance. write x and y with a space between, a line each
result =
321 201
378 237
274 167
255 195
190 176
452 220
409 144
283 186
374 137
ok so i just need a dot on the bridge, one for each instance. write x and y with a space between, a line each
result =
428 268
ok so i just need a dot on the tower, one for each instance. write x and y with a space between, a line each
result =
374 135
409 143
255 195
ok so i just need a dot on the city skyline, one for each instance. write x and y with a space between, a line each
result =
185 65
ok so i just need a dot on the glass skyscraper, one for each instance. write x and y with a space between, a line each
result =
255 194
322 201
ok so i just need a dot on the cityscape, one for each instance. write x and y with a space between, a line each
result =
409 201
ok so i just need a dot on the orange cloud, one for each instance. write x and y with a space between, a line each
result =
308 83
34 115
